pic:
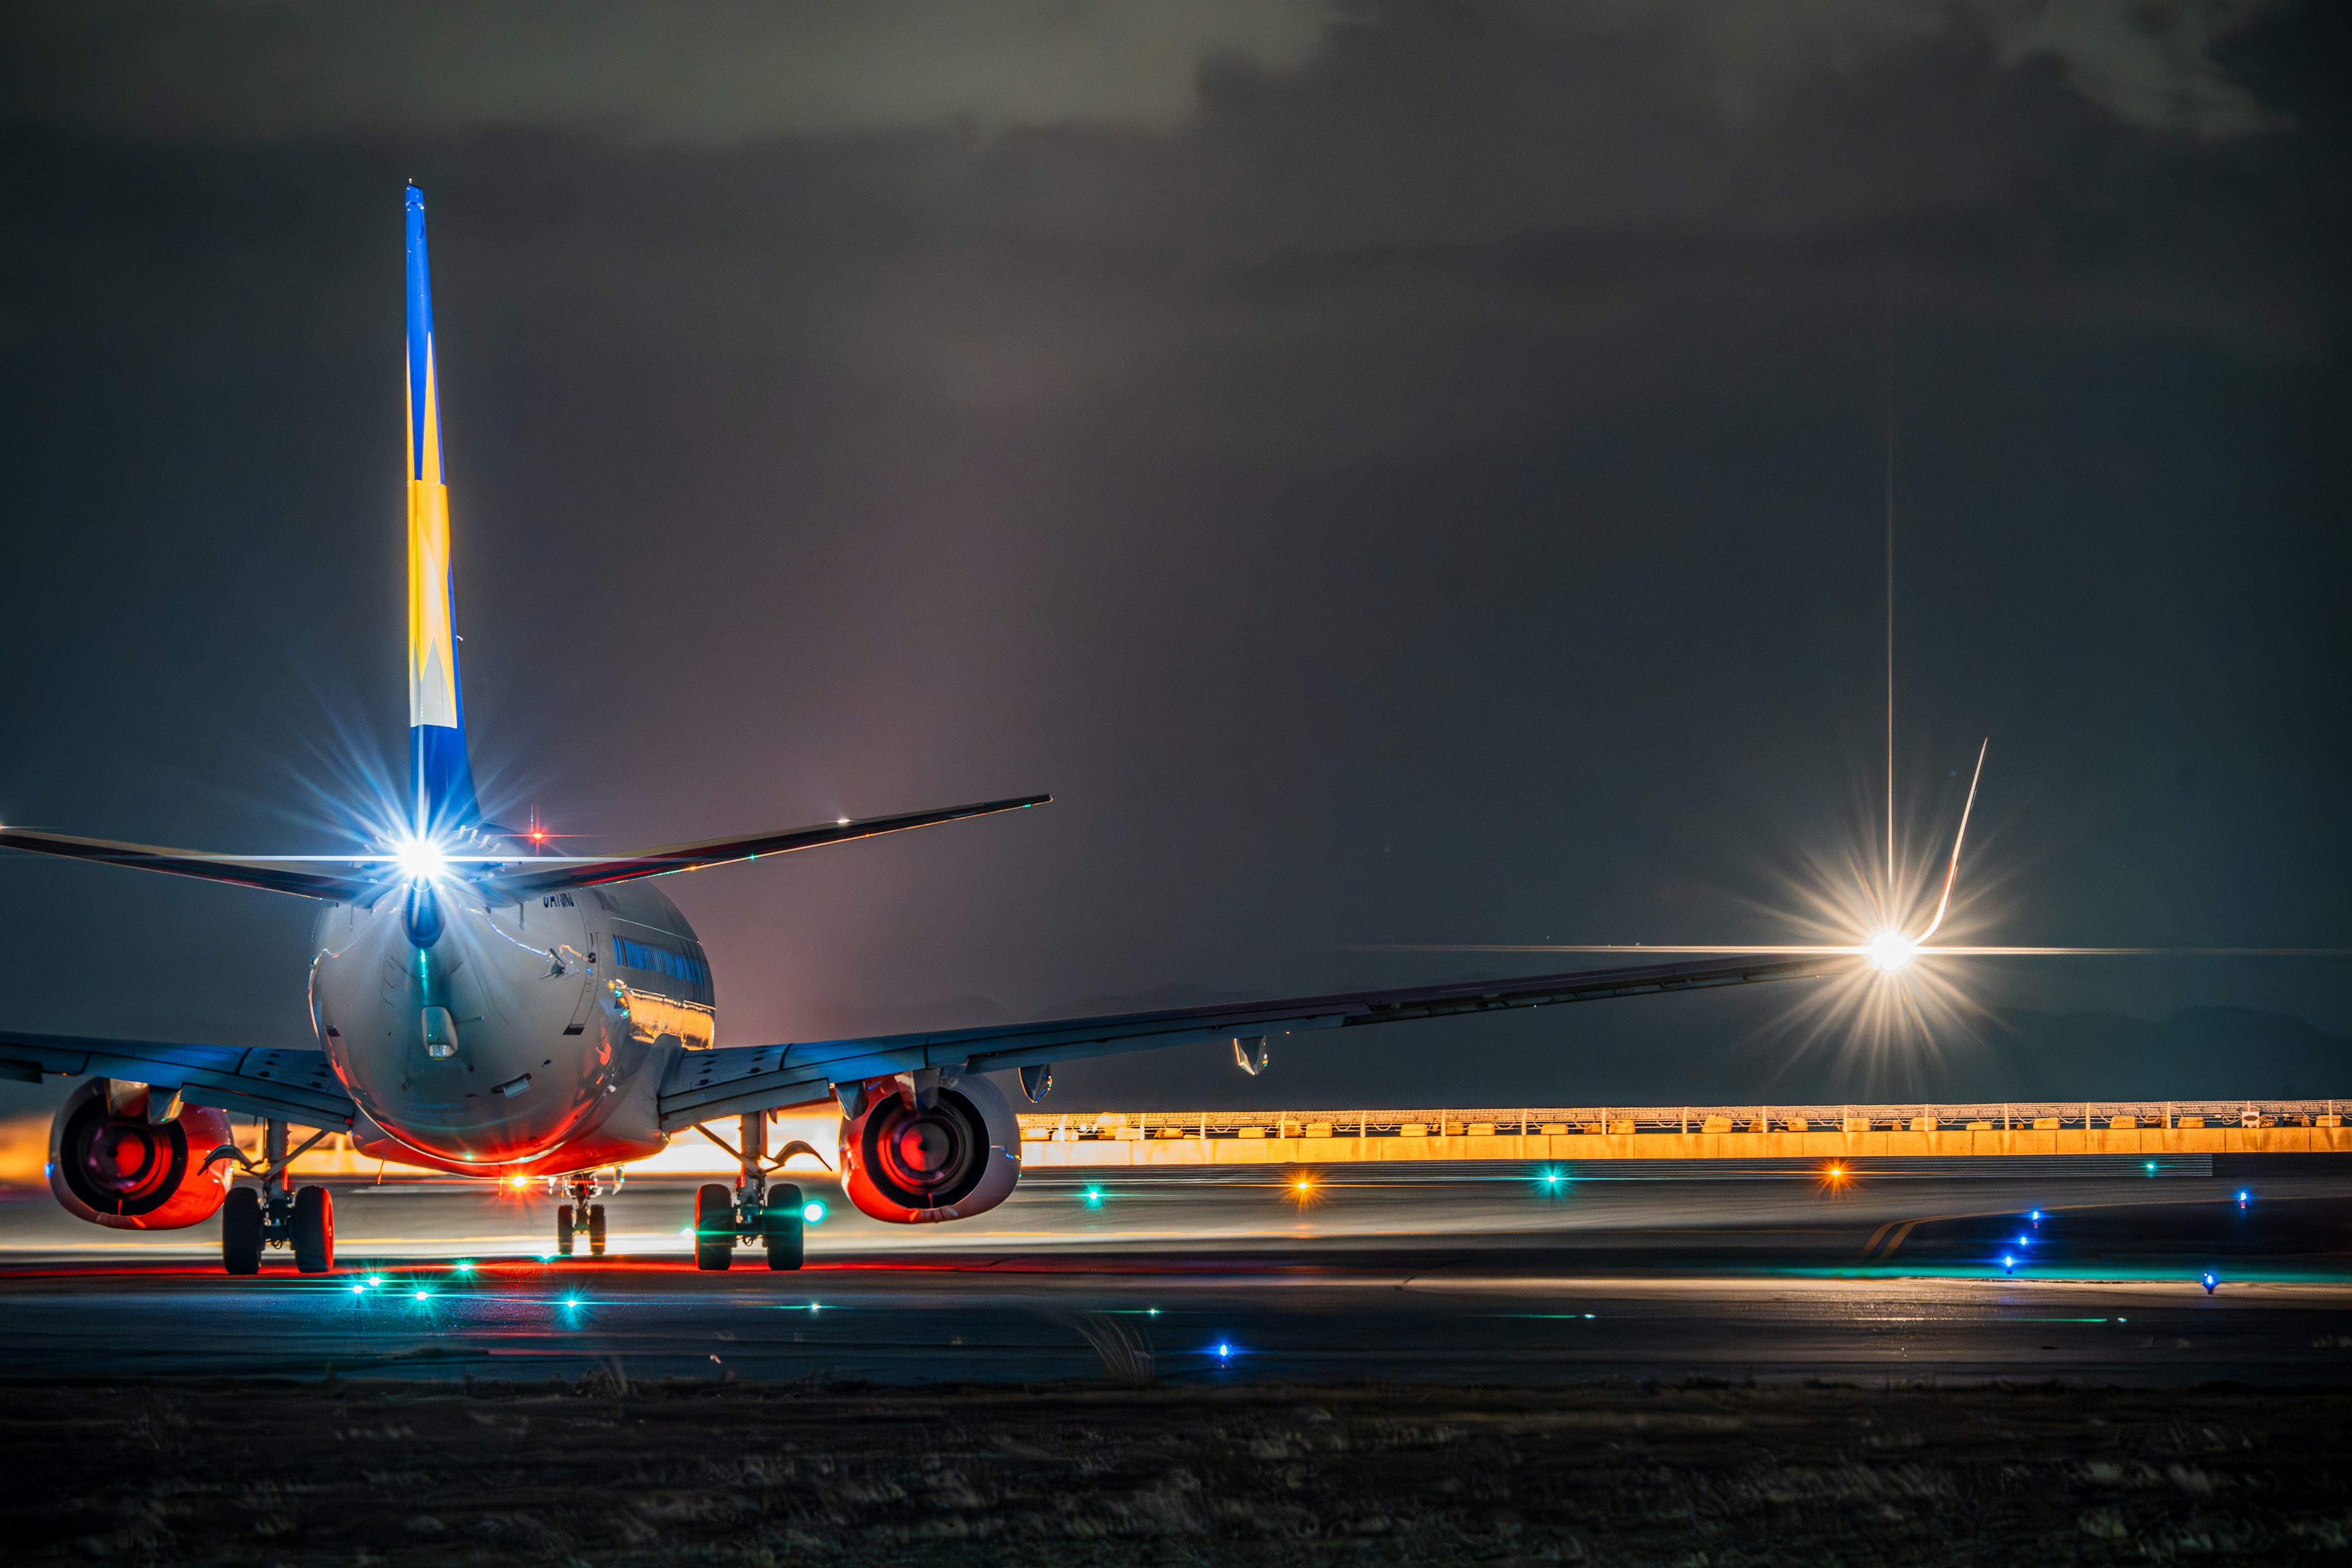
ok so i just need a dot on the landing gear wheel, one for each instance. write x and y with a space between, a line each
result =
241 1231
780 1227
714 1226
596 1230
314 1230
563 1229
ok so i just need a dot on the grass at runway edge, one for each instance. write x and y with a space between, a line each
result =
608 1470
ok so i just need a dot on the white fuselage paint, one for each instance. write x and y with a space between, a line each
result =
521 1042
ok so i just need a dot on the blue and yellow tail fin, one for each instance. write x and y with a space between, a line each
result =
441 775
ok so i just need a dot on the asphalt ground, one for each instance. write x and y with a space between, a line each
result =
1498 1277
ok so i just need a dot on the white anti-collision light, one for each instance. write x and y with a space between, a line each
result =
420 859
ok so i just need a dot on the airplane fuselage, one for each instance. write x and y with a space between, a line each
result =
530 1038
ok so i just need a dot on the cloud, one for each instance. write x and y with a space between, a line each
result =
1391 226
2149 63
722 71
711 72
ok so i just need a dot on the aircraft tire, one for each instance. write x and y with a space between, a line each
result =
782 1227
563 1229
314 1230
714 1228
241 1231
596 1230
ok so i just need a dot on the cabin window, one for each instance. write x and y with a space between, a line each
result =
691 968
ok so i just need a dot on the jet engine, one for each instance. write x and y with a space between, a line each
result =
113 1163
927 1146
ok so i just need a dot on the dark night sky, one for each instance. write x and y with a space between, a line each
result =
1397 473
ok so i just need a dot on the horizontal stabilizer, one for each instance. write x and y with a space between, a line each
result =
547 875
309 876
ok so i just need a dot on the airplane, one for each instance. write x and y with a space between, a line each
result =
483 1010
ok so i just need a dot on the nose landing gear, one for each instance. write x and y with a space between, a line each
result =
577 1213
754 1213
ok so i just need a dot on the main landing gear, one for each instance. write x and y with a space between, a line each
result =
274 1213
577 1216
754 1213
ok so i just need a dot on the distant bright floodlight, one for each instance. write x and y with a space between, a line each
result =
1890 951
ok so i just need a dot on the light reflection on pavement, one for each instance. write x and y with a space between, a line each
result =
1439 1278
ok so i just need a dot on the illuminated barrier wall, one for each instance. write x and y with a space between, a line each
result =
1686 1133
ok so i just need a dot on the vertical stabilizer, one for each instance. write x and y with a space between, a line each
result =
440 775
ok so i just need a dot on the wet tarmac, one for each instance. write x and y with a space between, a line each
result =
1418 1276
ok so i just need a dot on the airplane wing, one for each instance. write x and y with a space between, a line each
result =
735 1079
290 1084
548 874
309 876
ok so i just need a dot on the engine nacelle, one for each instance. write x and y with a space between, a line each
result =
110 1166
910 1164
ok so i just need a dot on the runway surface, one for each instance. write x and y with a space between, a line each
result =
1396 1276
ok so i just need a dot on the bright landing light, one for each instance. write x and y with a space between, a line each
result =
1890 950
